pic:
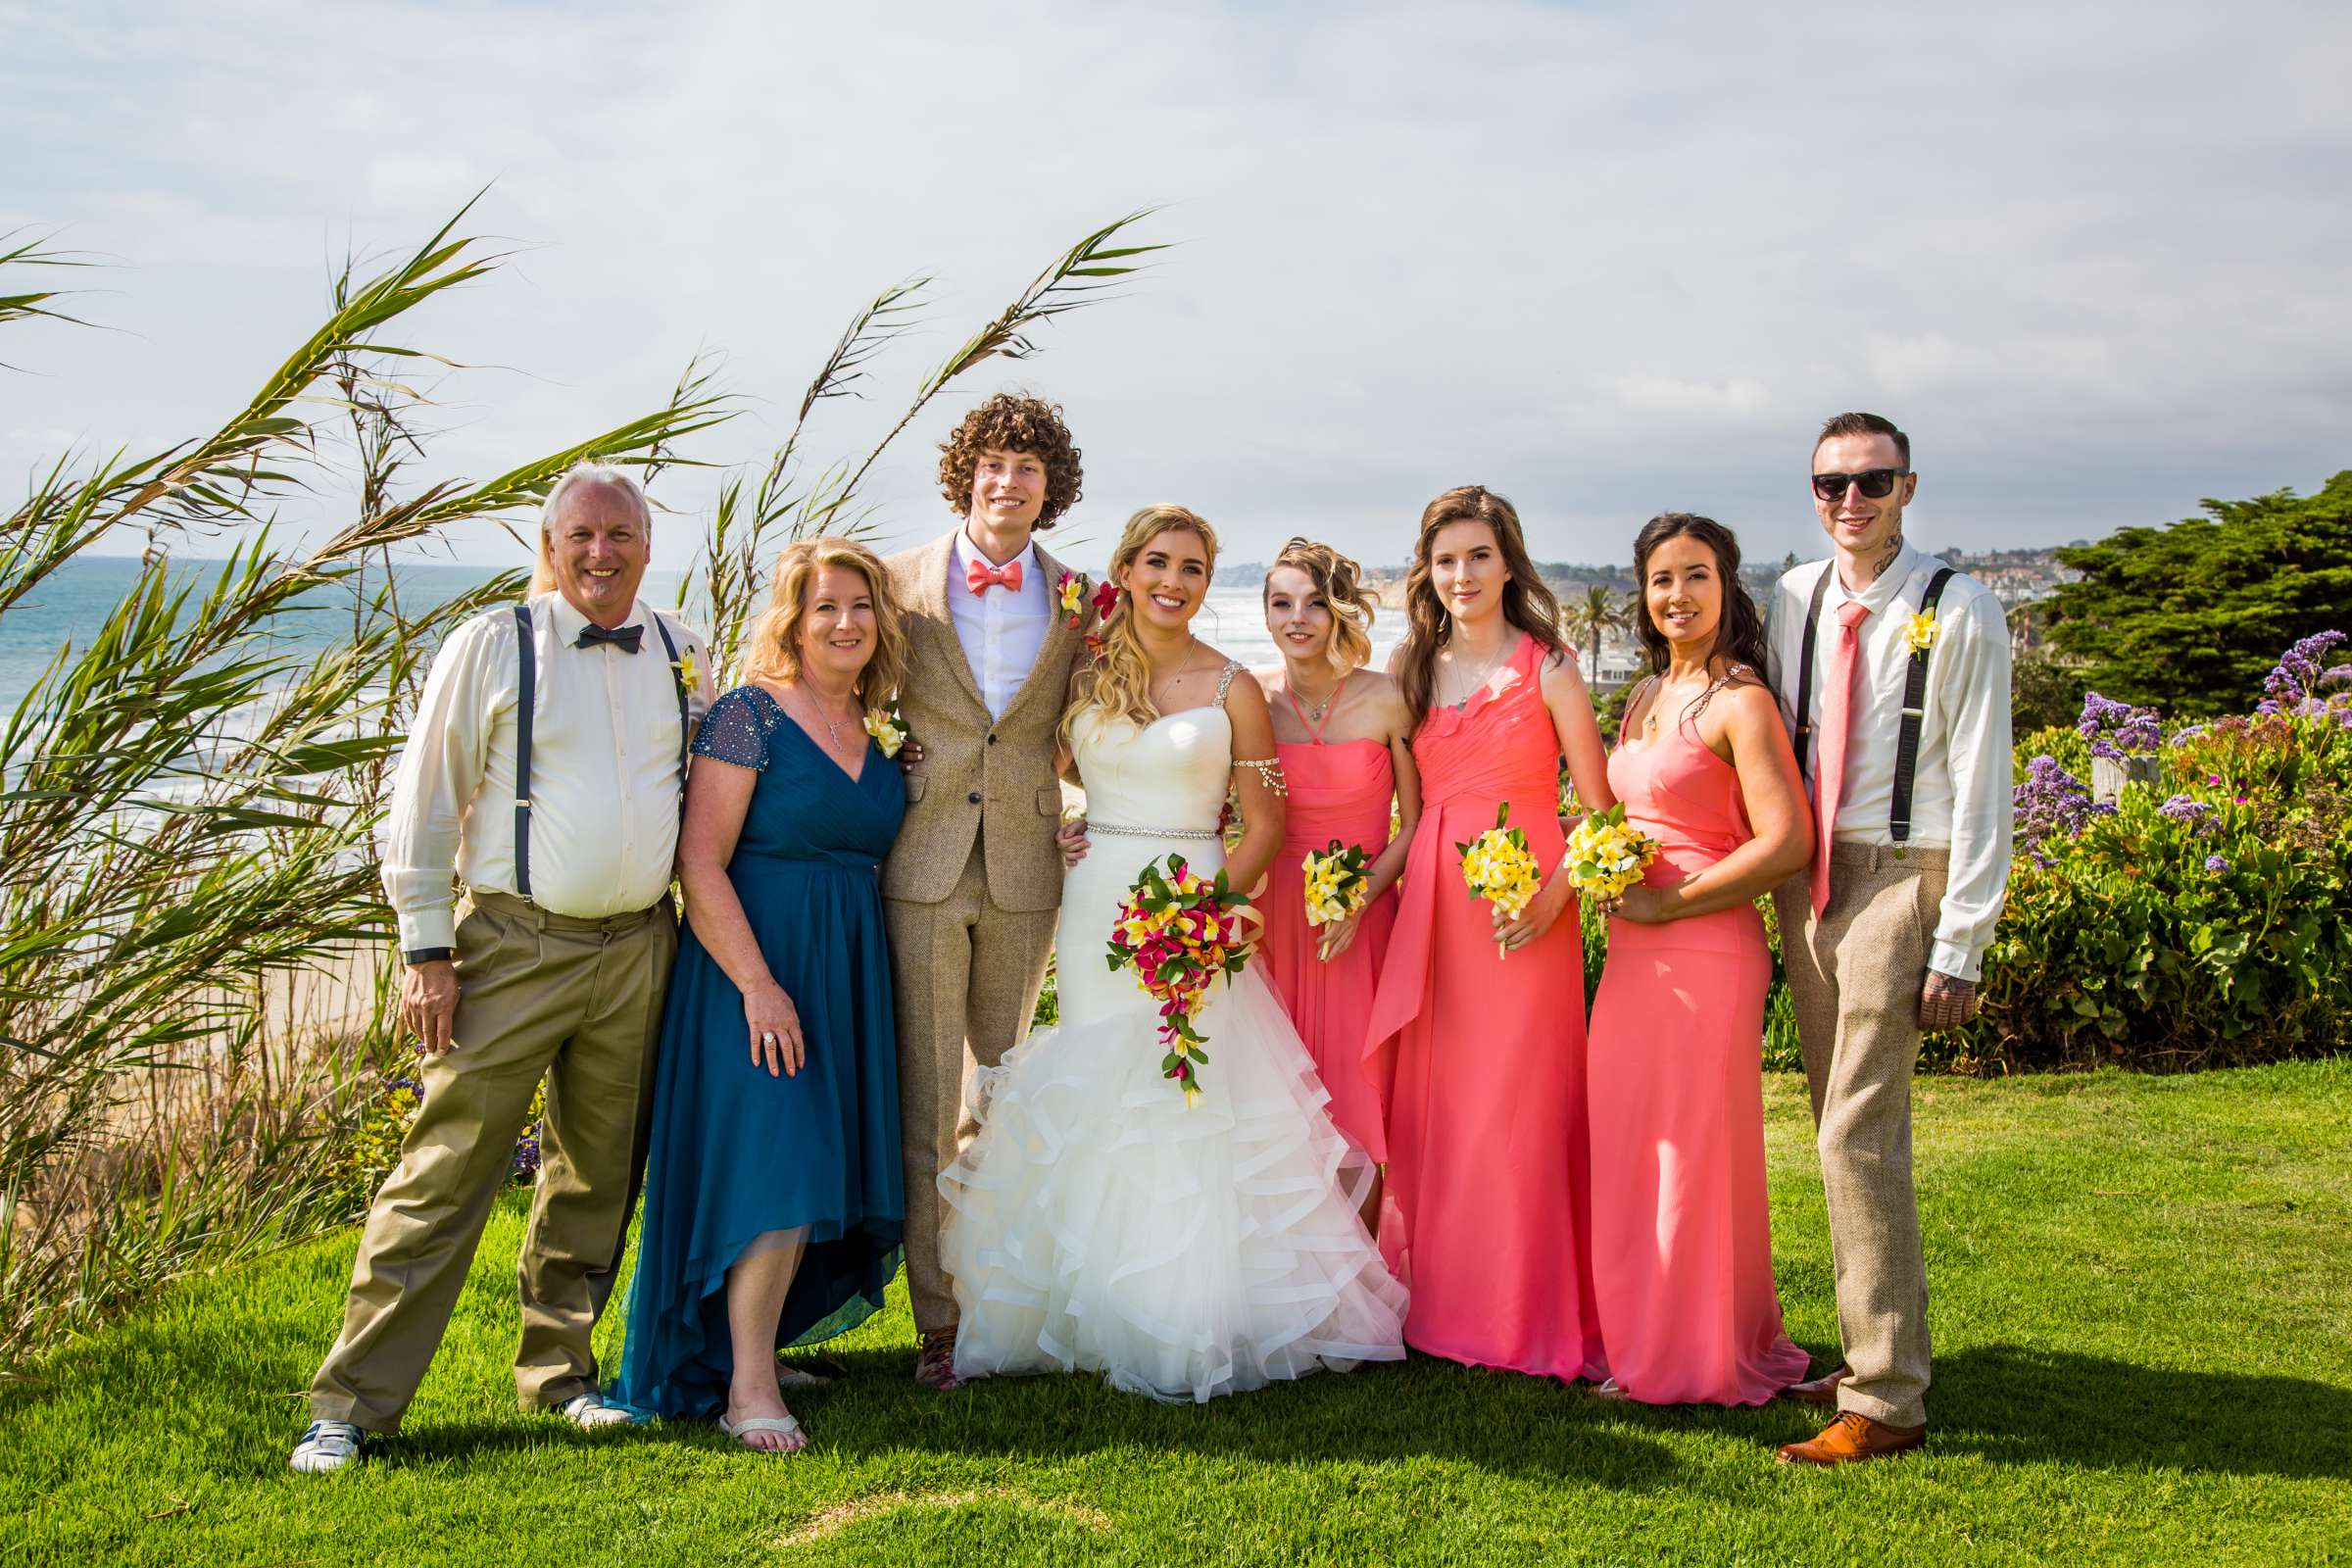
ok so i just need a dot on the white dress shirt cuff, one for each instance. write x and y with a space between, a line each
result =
428 928
1951 959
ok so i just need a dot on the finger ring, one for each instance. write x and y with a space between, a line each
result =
767 1037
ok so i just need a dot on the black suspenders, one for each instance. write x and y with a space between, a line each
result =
1804 668
1915 696
527 655
527 646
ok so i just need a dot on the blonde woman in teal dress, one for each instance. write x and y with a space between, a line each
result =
773 1200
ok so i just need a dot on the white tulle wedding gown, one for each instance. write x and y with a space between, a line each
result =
1097 1224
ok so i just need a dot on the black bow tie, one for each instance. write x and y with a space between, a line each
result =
625 639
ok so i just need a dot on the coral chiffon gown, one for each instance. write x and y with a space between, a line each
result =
1485 1219
1682 1239
1338 790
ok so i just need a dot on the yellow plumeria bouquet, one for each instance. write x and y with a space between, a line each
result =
884 726
1499 868
1178 931
1336 882
1605 857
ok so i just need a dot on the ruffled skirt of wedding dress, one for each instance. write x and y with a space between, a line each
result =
1097 1224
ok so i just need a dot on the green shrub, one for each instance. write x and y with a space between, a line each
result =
2204 921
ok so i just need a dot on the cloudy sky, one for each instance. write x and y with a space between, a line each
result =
1609 260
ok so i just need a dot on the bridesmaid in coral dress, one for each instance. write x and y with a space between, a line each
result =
1682 1239
1487 1221
1343 734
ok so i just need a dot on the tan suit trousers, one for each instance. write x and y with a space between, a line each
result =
1855 976
967 975
575 1002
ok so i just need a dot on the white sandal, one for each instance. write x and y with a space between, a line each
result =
783 1426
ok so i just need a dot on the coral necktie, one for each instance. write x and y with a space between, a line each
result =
1828 766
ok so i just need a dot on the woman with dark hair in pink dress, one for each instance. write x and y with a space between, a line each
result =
1682 1239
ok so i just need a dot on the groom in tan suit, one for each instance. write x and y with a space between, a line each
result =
971 892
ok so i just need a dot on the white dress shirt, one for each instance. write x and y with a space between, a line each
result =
605 774
1002 629
1961 797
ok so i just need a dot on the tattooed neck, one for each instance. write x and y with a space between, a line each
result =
1860 572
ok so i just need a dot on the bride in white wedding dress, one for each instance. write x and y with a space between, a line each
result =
1097 1223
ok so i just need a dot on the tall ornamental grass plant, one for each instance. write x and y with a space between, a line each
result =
198 1054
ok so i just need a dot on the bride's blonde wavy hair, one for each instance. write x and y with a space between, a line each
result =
1119 680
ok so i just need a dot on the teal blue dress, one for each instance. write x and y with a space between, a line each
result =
733 1152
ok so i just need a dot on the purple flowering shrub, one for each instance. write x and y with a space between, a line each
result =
2117 729
2204 920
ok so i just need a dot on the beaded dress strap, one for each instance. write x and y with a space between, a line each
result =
1225 681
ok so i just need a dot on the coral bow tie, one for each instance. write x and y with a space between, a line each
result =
979 577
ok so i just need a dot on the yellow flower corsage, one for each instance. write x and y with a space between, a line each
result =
1920 631
689 673
887 733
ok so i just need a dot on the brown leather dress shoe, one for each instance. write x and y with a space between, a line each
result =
1855 1436
935 1367
1822 1389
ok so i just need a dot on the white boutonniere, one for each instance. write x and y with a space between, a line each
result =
1920 631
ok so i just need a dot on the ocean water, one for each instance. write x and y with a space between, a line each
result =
74 603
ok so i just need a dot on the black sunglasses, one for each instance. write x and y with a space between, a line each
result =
1876 483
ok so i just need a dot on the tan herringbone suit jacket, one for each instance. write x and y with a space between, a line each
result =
994 779
971 890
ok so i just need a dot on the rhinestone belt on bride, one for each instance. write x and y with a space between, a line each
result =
1118 831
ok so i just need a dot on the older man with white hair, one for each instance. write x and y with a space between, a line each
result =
544 773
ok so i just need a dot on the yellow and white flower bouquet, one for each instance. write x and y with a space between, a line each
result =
1336 882
1607 856
1498 867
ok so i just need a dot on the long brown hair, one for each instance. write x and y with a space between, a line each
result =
1340 582
1525 602
1121 678
1738 631
772 644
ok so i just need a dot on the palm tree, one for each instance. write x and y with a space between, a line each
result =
1588 621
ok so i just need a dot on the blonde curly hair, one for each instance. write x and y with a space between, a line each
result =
1119 680
773 642
1340 582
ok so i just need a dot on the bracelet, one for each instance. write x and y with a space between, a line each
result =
1269 772
415 955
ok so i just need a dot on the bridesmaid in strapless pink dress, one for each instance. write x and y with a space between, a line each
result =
1487 1221
1341 791
1682 1239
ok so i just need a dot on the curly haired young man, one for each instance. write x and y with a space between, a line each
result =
971 890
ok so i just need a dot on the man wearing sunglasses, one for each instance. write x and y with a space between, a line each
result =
1893 677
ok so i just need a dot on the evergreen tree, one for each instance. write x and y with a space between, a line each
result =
2191 617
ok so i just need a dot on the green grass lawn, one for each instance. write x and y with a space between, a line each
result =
2143 1324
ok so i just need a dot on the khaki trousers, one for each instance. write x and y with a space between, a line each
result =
966 976
579 1003
1855 976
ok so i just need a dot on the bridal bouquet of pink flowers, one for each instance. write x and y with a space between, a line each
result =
1178 931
